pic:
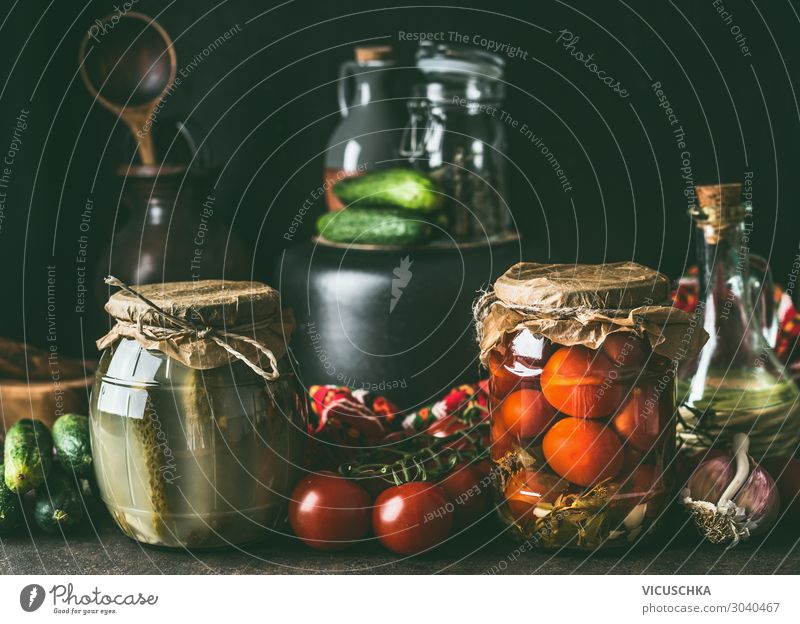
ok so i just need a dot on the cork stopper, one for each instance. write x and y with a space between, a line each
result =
373 54
719 206
717 195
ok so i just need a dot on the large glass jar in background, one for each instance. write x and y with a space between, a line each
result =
582 400
367 136
736 384
187 457
456 134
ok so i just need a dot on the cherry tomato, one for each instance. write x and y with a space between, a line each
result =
519 359
631 460
443 427
580 382
527 488
637 421
525 414
644 484
625 349
329 512
786 473
502 381
641 480
469 489
447 426
412 517
582 451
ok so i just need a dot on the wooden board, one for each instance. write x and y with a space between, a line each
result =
45 400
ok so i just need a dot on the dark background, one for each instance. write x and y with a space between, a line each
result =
739 113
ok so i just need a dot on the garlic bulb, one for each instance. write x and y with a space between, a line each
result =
731 498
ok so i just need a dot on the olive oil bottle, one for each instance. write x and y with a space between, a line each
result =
736 384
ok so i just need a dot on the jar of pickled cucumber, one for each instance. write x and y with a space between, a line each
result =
196 421
582 362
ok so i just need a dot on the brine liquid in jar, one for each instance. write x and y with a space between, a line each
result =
582 438
192 459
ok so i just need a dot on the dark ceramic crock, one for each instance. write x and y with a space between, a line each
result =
394 321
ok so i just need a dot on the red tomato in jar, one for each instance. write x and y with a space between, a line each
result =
631 460
625 349
412 517
501 380
502 442
329 512
525 414
469 488
582 451
527 488
580 382
637 421
641 480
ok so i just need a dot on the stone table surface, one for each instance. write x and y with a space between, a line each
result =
100 548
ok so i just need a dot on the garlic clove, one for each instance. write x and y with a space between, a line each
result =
540 512
635 517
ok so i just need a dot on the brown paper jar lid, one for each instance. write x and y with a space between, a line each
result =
616 285
214 303
204 324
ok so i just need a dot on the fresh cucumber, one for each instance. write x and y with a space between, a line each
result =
402 188
59 505
71 439
28 455
374 226
10 509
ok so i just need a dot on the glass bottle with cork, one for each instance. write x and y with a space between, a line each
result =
736 384
368 134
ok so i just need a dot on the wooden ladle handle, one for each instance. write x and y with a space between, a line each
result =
136 119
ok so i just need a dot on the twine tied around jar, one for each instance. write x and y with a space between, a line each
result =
180 337
483 304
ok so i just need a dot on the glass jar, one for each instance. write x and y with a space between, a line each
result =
582 362
456 134
193 458
366 137
586 437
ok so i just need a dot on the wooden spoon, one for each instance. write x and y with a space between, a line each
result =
128 63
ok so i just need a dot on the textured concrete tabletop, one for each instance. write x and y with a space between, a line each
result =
100 548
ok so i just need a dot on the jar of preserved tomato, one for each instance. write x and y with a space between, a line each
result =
582 361
196 422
